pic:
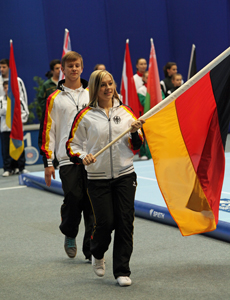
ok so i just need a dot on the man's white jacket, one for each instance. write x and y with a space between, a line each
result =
61 108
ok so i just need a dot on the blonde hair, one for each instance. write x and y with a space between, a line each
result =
95 85
71 56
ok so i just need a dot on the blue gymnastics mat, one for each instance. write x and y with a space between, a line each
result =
149 203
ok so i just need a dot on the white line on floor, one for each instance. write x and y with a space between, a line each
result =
225 193
152 179
146 178
13 187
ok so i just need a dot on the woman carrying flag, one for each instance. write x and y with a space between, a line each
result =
111 177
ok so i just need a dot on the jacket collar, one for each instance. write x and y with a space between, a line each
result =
116 103
61 82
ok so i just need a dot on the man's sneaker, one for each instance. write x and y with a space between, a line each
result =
124 281
7 173
16 171
98 266
70 246
89 259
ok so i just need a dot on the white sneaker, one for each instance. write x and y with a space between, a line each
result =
124 281
24 171
98 266
16 171
144 157
6 174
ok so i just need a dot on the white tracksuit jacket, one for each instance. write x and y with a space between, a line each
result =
91 125
61 108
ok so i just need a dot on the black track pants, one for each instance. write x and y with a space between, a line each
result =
76 201
113 207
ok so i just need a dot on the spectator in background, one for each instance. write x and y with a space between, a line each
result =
10 165
2 79
19 165
5 134
177 81
141 66
99 67
166 84
4 68
141 92
50 85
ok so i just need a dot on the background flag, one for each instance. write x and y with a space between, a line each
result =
153 95
128 88
192 64
66 48
13 115
186 137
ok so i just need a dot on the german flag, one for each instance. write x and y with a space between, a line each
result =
186 135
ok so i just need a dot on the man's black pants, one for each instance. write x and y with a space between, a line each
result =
76 201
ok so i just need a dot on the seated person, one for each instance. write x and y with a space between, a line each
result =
177 81
142 91
169 69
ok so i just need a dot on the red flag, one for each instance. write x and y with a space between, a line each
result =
128 88
14 110
153 95
66 48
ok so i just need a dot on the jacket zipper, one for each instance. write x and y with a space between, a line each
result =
110 140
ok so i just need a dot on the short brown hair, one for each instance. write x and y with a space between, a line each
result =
4 61
71 56
6 82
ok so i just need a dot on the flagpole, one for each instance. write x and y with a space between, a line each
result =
184 87
66 45
111 143
191 58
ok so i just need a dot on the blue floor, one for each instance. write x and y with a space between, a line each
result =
149 202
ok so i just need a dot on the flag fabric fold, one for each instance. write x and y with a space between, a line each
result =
153 95
187 137
13 115
128 88
66 48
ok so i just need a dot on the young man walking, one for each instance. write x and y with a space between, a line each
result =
61 108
